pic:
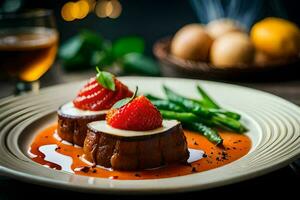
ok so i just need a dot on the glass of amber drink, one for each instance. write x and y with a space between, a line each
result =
28 46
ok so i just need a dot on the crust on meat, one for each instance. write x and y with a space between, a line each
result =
143 152
74 128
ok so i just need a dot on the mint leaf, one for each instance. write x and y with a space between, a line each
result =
127 45
141 64
70 48
106 79
101 58
92 39
76 53
121 103
125 101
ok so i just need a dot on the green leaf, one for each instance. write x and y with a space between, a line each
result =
76 53
75 63
140 64
70 48
101 58
93 39
128 45
125 101
106 79
207 100
85 39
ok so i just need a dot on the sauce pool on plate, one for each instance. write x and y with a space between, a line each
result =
49 150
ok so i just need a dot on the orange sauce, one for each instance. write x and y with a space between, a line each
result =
235 147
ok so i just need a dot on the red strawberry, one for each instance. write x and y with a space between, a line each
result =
90 87
138 115
94 96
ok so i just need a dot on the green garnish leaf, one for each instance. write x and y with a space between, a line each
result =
70 48
106 79
139 63
125 101
126 45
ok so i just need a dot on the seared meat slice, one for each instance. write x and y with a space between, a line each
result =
138 152
73 128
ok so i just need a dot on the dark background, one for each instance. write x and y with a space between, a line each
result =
149 19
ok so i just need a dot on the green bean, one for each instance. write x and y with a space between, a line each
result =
213 106
214 121
167 105
217 111
187 117
188 104
194 107
229 124
206 98
192 122
190 110
211 134
152 97
183 117
230 114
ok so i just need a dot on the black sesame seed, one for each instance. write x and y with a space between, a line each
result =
85 169
57 148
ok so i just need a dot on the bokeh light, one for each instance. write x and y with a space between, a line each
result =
84 9
75 10
108 8
100 8
116 9
66 11
92 4
80 9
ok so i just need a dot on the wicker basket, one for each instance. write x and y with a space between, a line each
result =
173 66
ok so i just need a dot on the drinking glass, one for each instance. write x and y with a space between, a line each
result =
28 46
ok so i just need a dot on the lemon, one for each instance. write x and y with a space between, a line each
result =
276 37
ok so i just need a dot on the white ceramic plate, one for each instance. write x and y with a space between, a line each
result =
274 130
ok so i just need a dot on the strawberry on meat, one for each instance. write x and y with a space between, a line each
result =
138 115
93 96
91 87
121 92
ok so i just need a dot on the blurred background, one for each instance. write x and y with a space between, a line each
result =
151 20
135 38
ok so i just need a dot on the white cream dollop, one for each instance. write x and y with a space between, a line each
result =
102 126
70 109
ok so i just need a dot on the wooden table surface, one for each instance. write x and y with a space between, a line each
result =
281 181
